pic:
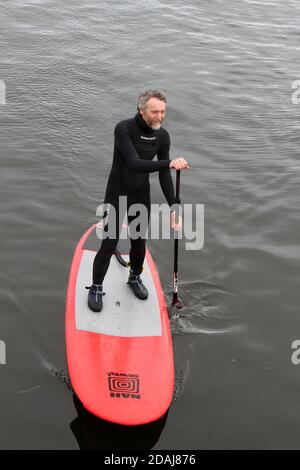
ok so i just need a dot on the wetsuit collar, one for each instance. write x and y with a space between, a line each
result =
141 123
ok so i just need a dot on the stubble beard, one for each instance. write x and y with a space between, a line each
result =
154 126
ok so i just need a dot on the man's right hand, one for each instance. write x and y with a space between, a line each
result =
179 164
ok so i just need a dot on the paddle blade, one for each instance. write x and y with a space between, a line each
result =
174 307
177 304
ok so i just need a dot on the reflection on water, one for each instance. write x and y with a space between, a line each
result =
94 433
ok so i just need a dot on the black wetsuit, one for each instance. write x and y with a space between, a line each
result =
136 144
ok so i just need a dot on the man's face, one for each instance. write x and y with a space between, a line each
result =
154 113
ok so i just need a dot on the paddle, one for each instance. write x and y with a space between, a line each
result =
176 303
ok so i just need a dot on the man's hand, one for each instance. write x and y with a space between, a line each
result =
179 164
174 225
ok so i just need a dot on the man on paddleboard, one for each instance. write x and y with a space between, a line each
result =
137 141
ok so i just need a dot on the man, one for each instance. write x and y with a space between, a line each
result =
137 141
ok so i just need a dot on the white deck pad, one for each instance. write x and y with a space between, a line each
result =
122 313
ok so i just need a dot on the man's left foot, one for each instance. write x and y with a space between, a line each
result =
138 288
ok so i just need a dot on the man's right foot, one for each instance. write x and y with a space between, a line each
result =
95 297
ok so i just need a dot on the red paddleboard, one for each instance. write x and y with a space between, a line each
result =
120 360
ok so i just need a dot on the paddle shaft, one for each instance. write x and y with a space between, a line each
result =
175 278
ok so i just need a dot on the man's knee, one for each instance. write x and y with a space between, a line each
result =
108 248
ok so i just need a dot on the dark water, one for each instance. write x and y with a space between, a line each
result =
72 71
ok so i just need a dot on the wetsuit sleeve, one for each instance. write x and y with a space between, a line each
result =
165 178
126 148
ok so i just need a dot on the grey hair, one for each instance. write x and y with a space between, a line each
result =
146 95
